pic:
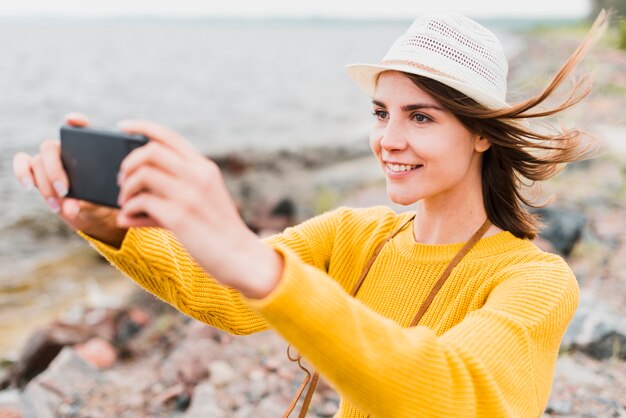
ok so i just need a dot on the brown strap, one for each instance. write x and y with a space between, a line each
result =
377 251
446 273
309 395
431 296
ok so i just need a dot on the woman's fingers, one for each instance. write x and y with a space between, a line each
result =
22 170
160 134
44 185
150 179
51 153
154 154
146 209
76 119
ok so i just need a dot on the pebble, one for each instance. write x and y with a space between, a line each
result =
97 352
10 413
221 373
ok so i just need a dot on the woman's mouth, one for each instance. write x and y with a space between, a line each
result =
401 168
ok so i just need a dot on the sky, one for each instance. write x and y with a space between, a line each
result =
406 9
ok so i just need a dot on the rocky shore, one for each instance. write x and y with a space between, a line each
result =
140 358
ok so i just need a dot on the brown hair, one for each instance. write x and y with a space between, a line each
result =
519 155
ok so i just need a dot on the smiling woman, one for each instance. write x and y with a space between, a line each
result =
446 311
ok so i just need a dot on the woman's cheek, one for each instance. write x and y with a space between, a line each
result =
375 142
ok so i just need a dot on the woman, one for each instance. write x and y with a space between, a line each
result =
455 312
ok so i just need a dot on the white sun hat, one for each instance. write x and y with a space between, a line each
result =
449 48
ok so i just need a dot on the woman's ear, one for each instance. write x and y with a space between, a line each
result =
481 144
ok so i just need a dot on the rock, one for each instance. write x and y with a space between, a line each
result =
10 404
271 406
41 348
270 220
170 393
112 325
563 407
204 403
257 390
327 409
9 397
10 413
272 364
562 228
596 330
60 387
98 352
221 373
189 362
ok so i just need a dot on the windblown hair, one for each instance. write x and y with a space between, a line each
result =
519 155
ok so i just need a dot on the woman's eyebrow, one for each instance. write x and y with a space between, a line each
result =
410 107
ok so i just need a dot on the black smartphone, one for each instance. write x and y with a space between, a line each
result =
92 158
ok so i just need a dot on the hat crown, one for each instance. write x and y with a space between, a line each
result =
455 47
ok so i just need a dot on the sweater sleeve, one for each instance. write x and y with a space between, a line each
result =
156 260
498 361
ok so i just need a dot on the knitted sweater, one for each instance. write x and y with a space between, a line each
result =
486 347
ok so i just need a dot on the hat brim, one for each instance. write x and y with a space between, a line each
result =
366 75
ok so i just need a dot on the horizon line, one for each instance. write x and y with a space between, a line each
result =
278 17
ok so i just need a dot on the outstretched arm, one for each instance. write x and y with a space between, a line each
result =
155 259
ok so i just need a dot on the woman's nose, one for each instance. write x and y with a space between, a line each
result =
393 136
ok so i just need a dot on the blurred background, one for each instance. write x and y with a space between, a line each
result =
260 87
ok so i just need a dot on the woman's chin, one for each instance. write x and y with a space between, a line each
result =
402 199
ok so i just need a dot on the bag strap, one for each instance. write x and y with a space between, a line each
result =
446 273
420 313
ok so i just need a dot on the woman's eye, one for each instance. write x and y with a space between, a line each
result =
380 114
419 117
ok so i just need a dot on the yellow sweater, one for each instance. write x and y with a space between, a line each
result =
486 347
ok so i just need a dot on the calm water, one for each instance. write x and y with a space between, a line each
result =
225 85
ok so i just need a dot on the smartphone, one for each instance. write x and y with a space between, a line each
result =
92 158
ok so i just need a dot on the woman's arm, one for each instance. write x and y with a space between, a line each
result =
498 361
156 260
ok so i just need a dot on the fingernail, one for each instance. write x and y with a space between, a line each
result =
27 182
72 210
120 220
60 188
120 178
53 204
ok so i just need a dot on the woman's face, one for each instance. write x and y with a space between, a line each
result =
423 149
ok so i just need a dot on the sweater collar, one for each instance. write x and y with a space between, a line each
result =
493 245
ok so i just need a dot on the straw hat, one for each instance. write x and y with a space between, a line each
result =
449 48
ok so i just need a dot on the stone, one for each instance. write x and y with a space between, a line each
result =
221 373
41 349
562 228
168 394
327 409
10 413
61 386
271 406
596 330
204 403
189 362
563 407
9 400
98 352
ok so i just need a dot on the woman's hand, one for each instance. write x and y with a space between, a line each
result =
168 183
45 172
